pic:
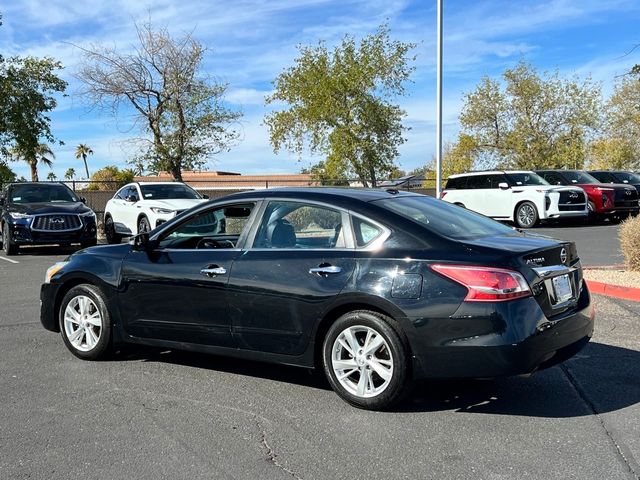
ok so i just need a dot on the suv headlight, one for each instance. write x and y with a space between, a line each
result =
52 270
89 214
19 216
162 211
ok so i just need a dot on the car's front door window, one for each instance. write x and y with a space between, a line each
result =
300 225
215 228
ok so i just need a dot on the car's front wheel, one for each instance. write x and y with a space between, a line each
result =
110 231
85 323
143 225
8 247
366 361
526 215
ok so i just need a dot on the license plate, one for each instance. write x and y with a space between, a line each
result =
562 288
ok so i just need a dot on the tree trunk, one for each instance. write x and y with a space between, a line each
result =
84 159
176 172
33 164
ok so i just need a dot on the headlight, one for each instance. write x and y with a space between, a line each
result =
89 214
18 216
161 211
52 270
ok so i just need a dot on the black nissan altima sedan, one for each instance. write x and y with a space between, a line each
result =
375 287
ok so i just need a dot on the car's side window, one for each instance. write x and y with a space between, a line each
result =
214 228
364 231
133 193
120 194
288 224
478 181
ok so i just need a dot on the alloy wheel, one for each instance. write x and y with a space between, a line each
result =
362 362
526 215
82 323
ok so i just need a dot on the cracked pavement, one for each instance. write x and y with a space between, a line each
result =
161 414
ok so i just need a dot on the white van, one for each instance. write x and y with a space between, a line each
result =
517 196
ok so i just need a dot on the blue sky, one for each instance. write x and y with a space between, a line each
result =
250 42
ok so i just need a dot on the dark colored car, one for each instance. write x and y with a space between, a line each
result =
44 214
617 176
407 182
606 200
375 287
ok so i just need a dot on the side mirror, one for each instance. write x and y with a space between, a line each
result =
131 198
503 186
142 243
83 200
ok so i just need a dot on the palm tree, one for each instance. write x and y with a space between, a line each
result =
82 151
42 154
70 173
52 177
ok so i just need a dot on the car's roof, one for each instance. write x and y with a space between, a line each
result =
155 183
325 193
488 172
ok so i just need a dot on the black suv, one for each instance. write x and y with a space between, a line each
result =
617 176
44 214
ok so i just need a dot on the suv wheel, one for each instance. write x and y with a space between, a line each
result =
366 361
110 231
85 323
143 225
8 247
526 215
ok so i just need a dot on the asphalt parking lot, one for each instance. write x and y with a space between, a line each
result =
162 414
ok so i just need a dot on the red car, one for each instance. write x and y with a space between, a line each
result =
606 200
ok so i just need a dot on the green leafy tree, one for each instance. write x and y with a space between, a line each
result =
328 173
530 120
6 174
110 178
42 154
27 93
340 104
180 111
82 152
51 176
457 157
70 174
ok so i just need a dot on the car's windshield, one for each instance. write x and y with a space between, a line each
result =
444 218
579 177
526 178
41 193
628 177
168 191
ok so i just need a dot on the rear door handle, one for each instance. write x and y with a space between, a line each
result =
328 270
213 270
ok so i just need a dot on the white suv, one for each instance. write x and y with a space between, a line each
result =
518 196
140 207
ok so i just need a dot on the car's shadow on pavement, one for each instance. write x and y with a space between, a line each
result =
601 378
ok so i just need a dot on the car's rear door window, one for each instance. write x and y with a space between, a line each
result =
300 225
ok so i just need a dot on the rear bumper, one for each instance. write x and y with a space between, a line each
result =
516 338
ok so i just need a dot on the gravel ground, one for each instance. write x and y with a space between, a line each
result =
623 278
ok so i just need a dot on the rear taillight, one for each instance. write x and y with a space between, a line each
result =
486 284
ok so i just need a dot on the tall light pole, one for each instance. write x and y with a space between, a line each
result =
439 99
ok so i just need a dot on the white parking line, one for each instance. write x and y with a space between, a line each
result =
9 260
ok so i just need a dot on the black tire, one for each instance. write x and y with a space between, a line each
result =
103 347
8 247
143 225
395 350
526 215
89 243
110 231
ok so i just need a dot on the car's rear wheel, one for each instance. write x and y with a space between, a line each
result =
8 247
110 231
526 215
143 225
366 361
85 323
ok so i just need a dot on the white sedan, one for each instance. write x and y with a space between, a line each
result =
140 207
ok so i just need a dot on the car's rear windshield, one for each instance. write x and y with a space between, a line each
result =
39 193
526 178
579 177
167 192
444 218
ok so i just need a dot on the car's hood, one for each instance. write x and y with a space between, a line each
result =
48 208
610 186
173 204
546 188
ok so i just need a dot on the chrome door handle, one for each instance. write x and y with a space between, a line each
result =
325 270
213 271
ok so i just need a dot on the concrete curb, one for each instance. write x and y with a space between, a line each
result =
615 291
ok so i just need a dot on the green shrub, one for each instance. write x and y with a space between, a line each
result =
630 242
